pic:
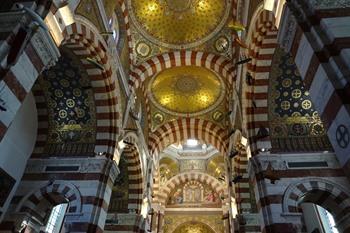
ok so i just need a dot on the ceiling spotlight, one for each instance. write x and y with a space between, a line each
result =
128 143
134 116
237 179
106 33
221 178
243 60
95 63
262 133
233 153
249 79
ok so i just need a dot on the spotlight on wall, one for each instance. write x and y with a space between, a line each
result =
233 153
237 179
270 174
231 132
221 178
249 79
95 63
106 33
262 133
243 60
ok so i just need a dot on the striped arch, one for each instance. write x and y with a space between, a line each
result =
133 159
67 192
217 63
84 40
185 128
263 42
166 189
322 192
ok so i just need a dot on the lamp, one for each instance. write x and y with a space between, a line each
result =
262 133
237 179
249 79
233 153
270 174
95 63
269 5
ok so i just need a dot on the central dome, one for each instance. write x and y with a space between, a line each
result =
179 24
186 90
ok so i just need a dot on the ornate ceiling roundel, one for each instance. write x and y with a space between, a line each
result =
186 90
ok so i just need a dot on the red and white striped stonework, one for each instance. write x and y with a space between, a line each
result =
136 183
320 46
270 197
125 11
85 42
87 190
186 128
216 63
16 81
184 177
261 50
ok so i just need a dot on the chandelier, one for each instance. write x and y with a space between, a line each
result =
179 8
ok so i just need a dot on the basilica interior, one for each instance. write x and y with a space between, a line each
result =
175 116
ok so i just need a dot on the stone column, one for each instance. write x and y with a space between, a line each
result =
317 34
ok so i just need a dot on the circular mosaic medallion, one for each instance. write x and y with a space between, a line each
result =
221 44
143 49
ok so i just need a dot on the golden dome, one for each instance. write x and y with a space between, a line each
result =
186 90
179 24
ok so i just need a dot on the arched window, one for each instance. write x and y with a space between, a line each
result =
55 221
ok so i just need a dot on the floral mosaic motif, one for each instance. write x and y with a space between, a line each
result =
294 123
71 108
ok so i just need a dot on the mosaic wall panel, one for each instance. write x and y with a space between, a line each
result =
194 194
295 125
70 102
193 223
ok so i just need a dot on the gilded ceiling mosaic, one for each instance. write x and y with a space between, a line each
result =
190 223
70 102
186 90
194 227
295 124
179 24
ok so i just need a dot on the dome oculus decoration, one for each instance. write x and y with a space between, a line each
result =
179 24
186 90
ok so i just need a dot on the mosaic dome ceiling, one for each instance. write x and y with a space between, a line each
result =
179 24
186 90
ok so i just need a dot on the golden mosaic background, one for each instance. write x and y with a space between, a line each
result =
178 222
178 22
186 90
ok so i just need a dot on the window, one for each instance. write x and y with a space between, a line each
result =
55 221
